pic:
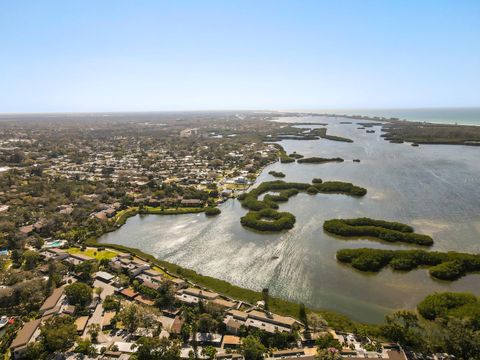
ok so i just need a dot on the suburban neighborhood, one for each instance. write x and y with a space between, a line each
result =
124 284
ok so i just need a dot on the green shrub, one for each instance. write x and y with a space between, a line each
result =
212 211
286 159
450 270
461 305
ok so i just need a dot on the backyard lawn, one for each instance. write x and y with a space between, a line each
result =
93 252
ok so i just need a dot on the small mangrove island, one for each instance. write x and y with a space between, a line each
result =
272 220
268 220
295 155
447 266
212 211
318 160
380 229
278 174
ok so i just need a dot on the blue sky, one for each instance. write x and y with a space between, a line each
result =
185 55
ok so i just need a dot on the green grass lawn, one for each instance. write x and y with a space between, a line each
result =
103 254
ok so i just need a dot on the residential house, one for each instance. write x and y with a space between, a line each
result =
52 301
77 259
27 334
55 254
270 322
199 293
104 276
81 324
107 319
233 326
191 203
231 342
129 293
178 283
207 339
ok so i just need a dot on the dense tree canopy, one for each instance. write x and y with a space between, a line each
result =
252 348
443 265
384 230
79 294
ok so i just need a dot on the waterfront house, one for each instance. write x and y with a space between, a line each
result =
270 322
238 315
223 303
178 283
76 259
191 203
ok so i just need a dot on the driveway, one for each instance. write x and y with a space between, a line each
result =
96 317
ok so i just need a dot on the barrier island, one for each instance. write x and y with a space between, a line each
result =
263 214
447 266
380 229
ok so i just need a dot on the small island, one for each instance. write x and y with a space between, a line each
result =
447 266
257 219
277 174
318 160
212 211
379 229
268 220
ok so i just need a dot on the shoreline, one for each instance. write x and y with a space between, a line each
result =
376 114
378 119
282 306
279 305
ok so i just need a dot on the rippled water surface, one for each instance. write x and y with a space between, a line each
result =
435 188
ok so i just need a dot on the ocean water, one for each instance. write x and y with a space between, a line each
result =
461 116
